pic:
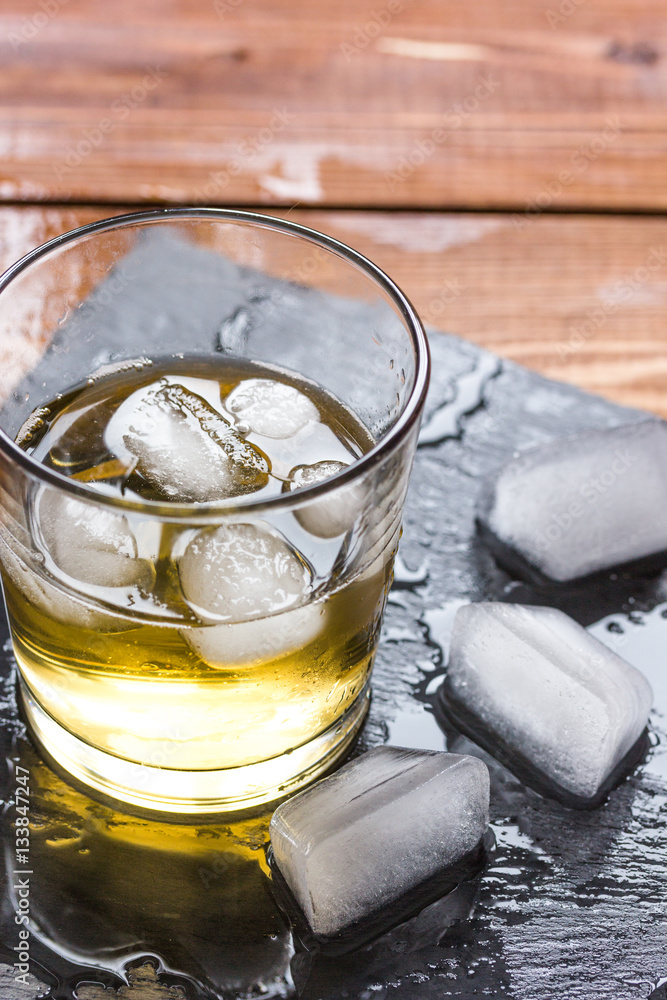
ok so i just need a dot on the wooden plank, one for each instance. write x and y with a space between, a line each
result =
529 105
578 298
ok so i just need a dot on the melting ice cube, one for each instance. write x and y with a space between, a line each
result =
242 571
308 475
183 447
583 504
332 514
272 409
90 543
383 825
546 698
239 644
24 569
255 586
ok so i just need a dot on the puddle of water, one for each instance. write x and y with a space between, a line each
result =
416 728
439 623
509 835
446 421
406 577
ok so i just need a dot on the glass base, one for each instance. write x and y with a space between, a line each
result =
192 792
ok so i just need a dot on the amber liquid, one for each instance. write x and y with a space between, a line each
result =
137 669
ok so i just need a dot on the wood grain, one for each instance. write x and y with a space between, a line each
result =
578 298
528 105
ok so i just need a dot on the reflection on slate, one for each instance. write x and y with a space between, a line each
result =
317 975
573 905
107 886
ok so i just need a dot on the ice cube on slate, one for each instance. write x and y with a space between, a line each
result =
251 581
90 543
272 409
332 514
581 505
379 827
552 702
183 447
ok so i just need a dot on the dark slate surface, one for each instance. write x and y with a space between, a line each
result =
573 906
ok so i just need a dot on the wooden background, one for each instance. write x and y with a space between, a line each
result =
505 162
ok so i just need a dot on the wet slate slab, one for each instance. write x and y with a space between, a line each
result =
574 904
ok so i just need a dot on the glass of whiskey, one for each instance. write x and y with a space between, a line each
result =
207 423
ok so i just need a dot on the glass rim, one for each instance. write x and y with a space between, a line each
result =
178 509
